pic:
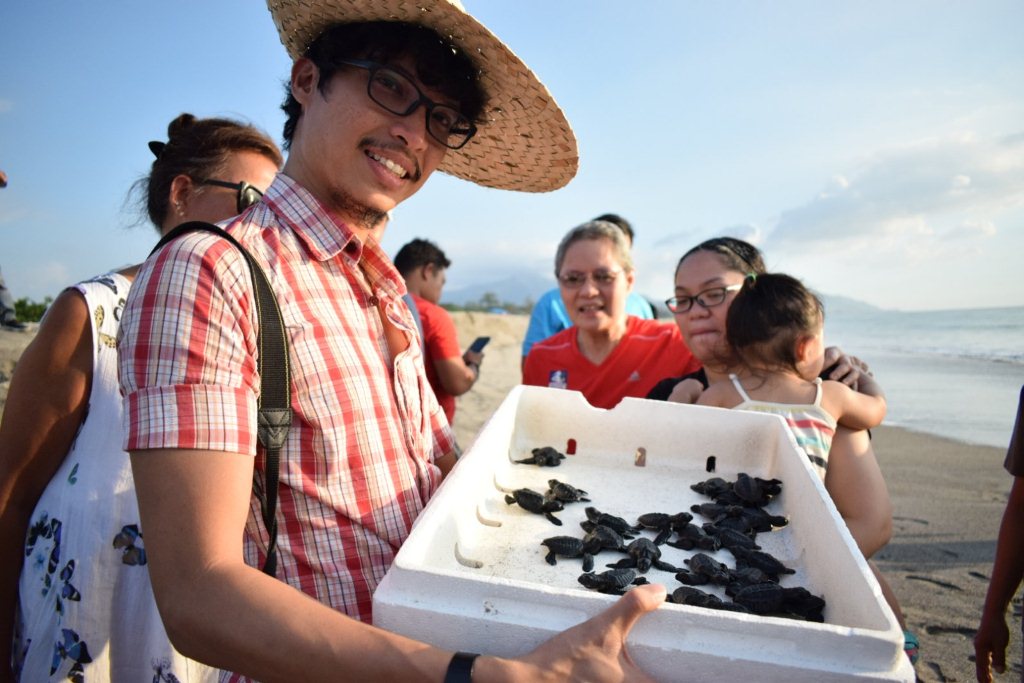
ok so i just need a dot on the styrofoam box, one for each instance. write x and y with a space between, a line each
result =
472 574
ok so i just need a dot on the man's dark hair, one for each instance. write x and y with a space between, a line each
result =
439 63
618 220
419 253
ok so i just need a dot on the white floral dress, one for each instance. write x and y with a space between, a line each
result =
86 607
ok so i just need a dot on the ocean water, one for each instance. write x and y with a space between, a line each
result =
956 374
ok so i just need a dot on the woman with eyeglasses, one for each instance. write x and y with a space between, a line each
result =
607 355
707 279
75 597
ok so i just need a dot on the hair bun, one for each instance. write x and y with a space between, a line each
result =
179 125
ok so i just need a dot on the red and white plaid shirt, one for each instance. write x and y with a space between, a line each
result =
358 467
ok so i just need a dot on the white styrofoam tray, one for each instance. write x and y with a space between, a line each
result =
472 574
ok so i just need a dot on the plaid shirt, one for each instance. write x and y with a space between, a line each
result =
358 467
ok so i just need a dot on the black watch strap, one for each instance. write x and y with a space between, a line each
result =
460 669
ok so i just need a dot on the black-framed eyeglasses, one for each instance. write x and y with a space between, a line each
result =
575 280
247 194
395 91
709 298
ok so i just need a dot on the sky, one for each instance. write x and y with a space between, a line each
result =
873 149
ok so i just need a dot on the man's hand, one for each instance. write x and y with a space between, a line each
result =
596 649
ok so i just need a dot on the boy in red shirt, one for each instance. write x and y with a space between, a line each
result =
450 372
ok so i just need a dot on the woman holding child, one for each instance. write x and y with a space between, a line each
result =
708 279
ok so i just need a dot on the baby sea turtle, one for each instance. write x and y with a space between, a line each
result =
760 560
568 546
618 524
762 520
713 487
543 457
755 491
760 598
663 523
688 595
643 554
703 569
691 536
731 538
743 577
613 581
566 493
536 503
600 537
716 511
801 602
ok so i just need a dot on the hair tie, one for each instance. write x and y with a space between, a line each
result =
750 276
157 147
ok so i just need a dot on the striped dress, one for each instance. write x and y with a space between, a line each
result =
811 425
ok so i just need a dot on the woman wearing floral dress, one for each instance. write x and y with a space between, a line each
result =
75 598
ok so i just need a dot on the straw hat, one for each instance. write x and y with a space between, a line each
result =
524 141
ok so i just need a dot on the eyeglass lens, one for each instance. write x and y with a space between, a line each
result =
709 298
575 280
394 91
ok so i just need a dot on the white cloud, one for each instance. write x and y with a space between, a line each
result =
960 181
911 193
972 229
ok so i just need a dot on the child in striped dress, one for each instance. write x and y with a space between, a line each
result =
775 329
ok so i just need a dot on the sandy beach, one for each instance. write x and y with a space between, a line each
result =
948 499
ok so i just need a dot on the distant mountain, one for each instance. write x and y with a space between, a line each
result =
511 289
844 305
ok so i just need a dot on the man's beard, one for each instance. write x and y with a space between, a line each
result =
366 217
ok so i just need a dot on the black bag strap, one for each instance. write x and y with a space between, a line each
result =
274 403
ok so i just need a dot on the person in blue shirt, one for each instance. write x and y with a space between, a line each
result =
549 315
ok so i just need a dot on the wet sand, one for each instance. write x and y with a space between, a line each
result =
948 497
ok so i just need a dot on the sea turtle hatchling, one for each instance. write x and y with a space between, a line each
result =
801 602
618 524
755 491
713 487
613 581
600 537
534 502
730 538
543 457
703 569
643 554
695 597
760 598
690 536
761 560
663 523
566 493
568 546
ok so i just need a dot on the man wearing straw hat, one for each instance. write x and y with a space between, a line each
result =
382 93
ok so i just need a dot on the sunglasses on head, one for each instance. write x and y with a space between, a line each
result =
247 194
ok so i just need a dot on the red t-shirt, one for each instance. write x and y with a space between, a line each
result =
440 342
649 352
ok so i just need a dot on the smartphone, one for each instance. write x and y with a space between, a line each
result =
478 344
